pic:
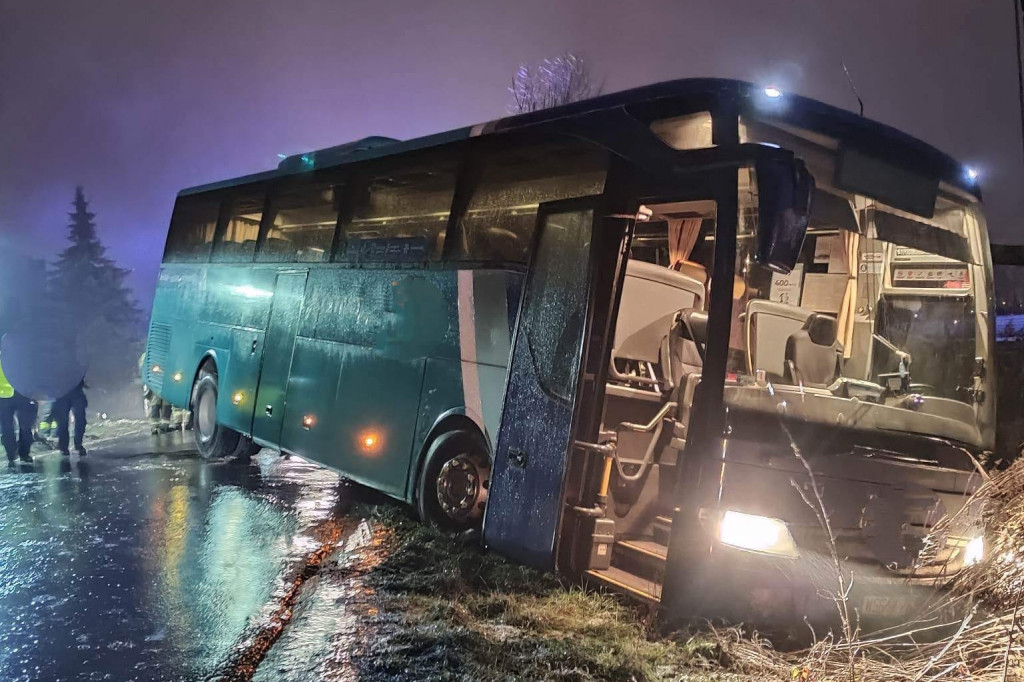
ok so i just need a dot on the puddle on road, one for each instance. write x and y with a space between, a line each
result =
148 569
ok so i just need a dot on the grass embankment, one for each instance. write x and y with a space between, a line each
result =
447 610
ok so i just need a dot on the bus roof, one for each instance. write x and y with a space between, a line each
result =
657 101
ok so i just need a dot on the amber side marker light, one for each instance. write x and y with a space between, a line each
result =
308 422
369 441
237 398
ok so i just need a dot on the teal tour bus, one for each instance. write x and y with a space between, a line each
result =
626 338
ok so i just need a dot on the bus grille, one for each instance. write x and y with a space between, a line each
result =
157 346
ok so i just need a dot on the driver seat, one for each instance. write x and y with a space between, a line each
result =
813 353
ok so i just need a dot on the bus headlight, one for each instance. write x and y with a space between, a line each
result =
974 552
756 534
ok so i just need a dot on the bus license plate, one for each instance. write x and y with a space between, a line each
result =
886 606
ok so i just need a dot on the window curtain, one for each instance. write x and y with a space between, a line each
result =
682 236
851 244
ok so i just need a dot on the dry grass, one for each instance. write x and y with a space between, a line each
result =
466 614
985 643
450 611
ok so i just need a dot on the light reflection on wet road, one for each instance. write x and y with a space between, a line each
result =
128 566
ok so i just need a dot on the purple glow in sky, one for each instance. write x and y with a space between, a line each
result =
135 100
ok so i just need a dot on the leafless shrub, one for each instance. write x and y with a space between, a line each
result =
812 496
551 83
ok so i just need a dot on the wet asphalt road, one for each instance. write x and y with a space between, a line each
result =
144 562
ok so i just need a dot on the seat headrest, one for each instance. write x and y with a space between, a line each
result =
698 322
821 329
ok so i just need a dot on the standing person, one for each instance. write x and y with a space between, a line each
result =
156 410
74 403
46 426
13 406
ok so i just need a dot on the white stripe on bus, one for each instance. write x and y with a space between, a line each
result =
467 346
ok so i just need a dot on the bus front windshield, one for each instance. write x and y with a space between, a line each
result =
882 323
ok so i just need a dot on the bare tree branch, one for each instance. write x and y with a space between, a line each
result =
553 82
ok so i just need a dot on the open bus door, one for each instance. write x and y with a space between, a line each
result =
576 261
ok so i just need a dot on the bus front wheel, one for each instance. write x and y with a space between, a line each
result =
453 482
213 440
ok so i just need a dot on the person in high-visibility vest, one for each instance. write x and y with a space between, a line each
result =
15 406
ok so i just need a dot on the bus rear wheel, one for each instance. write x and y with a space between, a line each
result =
452 487
214 440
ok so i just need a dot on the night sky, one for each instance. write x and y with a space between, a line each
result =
135 100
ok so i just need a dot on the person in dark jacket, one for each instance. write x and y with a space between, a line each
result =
72 403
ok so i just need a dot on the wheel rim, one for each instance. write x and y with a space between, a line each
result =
206 415
462 487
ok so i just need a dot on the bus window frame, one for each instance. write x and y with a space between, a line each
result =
476 154
214 196
337 176
227 207
357 177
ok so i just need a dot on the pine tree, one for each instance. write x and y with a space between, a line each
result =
93 302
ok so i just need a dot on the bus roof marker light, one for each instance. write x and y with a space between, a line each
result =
972 174
772 91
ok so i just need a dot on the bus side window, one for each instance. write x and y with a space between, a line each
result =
398 214
237 244
499 220
302 222
192 228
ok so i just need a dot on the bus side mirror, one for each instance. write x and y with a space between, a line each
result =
784 192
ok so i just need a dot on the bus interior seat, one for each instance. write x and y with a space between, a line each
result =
684 359
813 353
769 324
652 296
682 349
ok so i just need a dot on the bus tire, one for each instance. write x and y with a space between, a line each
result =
452 487
213 440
